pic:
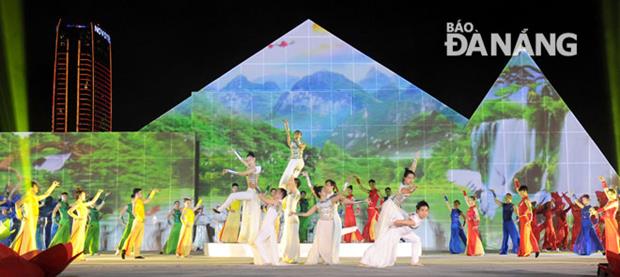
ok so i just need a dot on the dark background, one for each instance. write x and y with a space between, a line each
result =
162 51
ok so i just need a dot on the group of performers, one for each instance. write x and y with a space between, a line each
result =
594 228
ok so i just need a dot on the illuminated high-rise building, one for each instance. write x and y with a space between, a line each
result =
82 89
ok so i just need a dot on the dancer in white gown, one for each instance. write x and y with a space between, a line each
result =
250 217
392 205
201 230
383 252
266 243
290 234
296 161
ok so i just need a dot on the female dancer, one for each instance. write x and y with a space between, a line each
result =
134 240
129 211
91 244
230 230
184 246
201 230
527 241
509 230
296 162
474 243
63 233
372 211
27 209
170 246
290 234
304 222
349 218
550 238
266 244
79 212
587 240
608 215
458 240
562 225
576 212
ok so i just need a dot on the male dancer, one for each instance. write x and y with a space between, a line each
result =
509 230
296 161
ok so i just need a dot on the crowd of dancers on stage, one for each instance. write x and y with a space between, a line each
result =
274 221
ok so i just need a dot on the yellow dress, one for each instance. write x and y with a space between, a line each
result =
230 231
185 238
25 240
78 228
134 241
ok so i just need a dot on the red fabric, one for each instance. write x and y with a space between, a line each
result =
473 232
561 226
527 242
349 221
550 240
576 212
373 215
48 263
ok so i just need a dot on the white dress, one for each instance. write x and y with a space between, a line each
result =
201 232
294 166
326 235
383 252
389 210
266 244
250 216
290 235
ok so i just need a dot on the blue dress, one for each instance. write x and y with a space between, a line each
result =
587 241
509 230
457 235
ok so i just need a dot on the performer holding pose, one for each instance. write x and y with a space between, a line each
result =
587 240
79 212
230 230
129 211
373 212
474 243
304 222
91 244
382 253
290 234
266 244
63 233
134 240
458 240
608 215
184 246
576 212
509 230
349 218
296 161
170 247
527 241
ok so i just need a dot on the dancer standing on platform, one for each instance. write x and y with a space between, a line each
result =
349 218
184 246
290 233
608 215
383 252
474 243
79 212
63 233
576 212
509 230
128 224
304 206
587 240
134 240
559 211
372 211
296 161
230 230
527 241
27 209
91 244
250 217
174 215
266 244
458 240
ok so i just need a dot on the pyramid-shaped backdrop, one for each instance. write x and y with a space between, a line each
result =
523 129
357 117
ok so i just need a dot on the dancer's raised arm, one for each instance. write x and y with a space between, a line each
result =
151 195
306 214
94 200
49 191
239 157
288 133
309 183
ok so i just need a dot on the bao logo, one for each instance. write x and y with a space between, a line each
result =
463 39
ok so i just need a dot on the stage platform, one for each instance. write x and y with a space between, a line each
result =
242 250
435 264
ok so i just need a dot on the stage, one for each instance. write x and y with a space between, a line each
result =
436 264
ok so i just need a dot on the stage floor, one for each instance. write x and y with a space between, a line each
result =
435 264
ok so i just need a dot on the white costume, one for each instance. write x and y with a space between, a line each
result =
266 243
389 210
290 235
326 244
250 217
295 165
201 232
383 252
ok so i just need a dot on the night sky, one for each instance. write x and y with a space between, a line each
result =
161 52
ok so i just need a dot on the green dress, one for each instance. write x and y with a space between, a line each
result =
91 244
173 239
304 222
63 233
127 227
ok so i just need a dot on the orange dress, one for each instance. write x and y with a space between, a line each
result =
527 241
608 215
474 244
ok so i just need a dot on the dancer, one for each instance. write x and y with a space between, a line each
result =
250 216
91 244
63 233
201 230
230 230
388 194
372 211
587 240
134 240
170 247
27 209
382 253
128 225
509 230
79 212
608 215
474 242
184 246
296 161
349 218
527 241
576 212
458 240
304 206
290 234
266 244
559 211
550 238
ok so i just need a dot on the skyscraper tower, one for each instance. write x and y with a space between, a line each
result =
82 89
